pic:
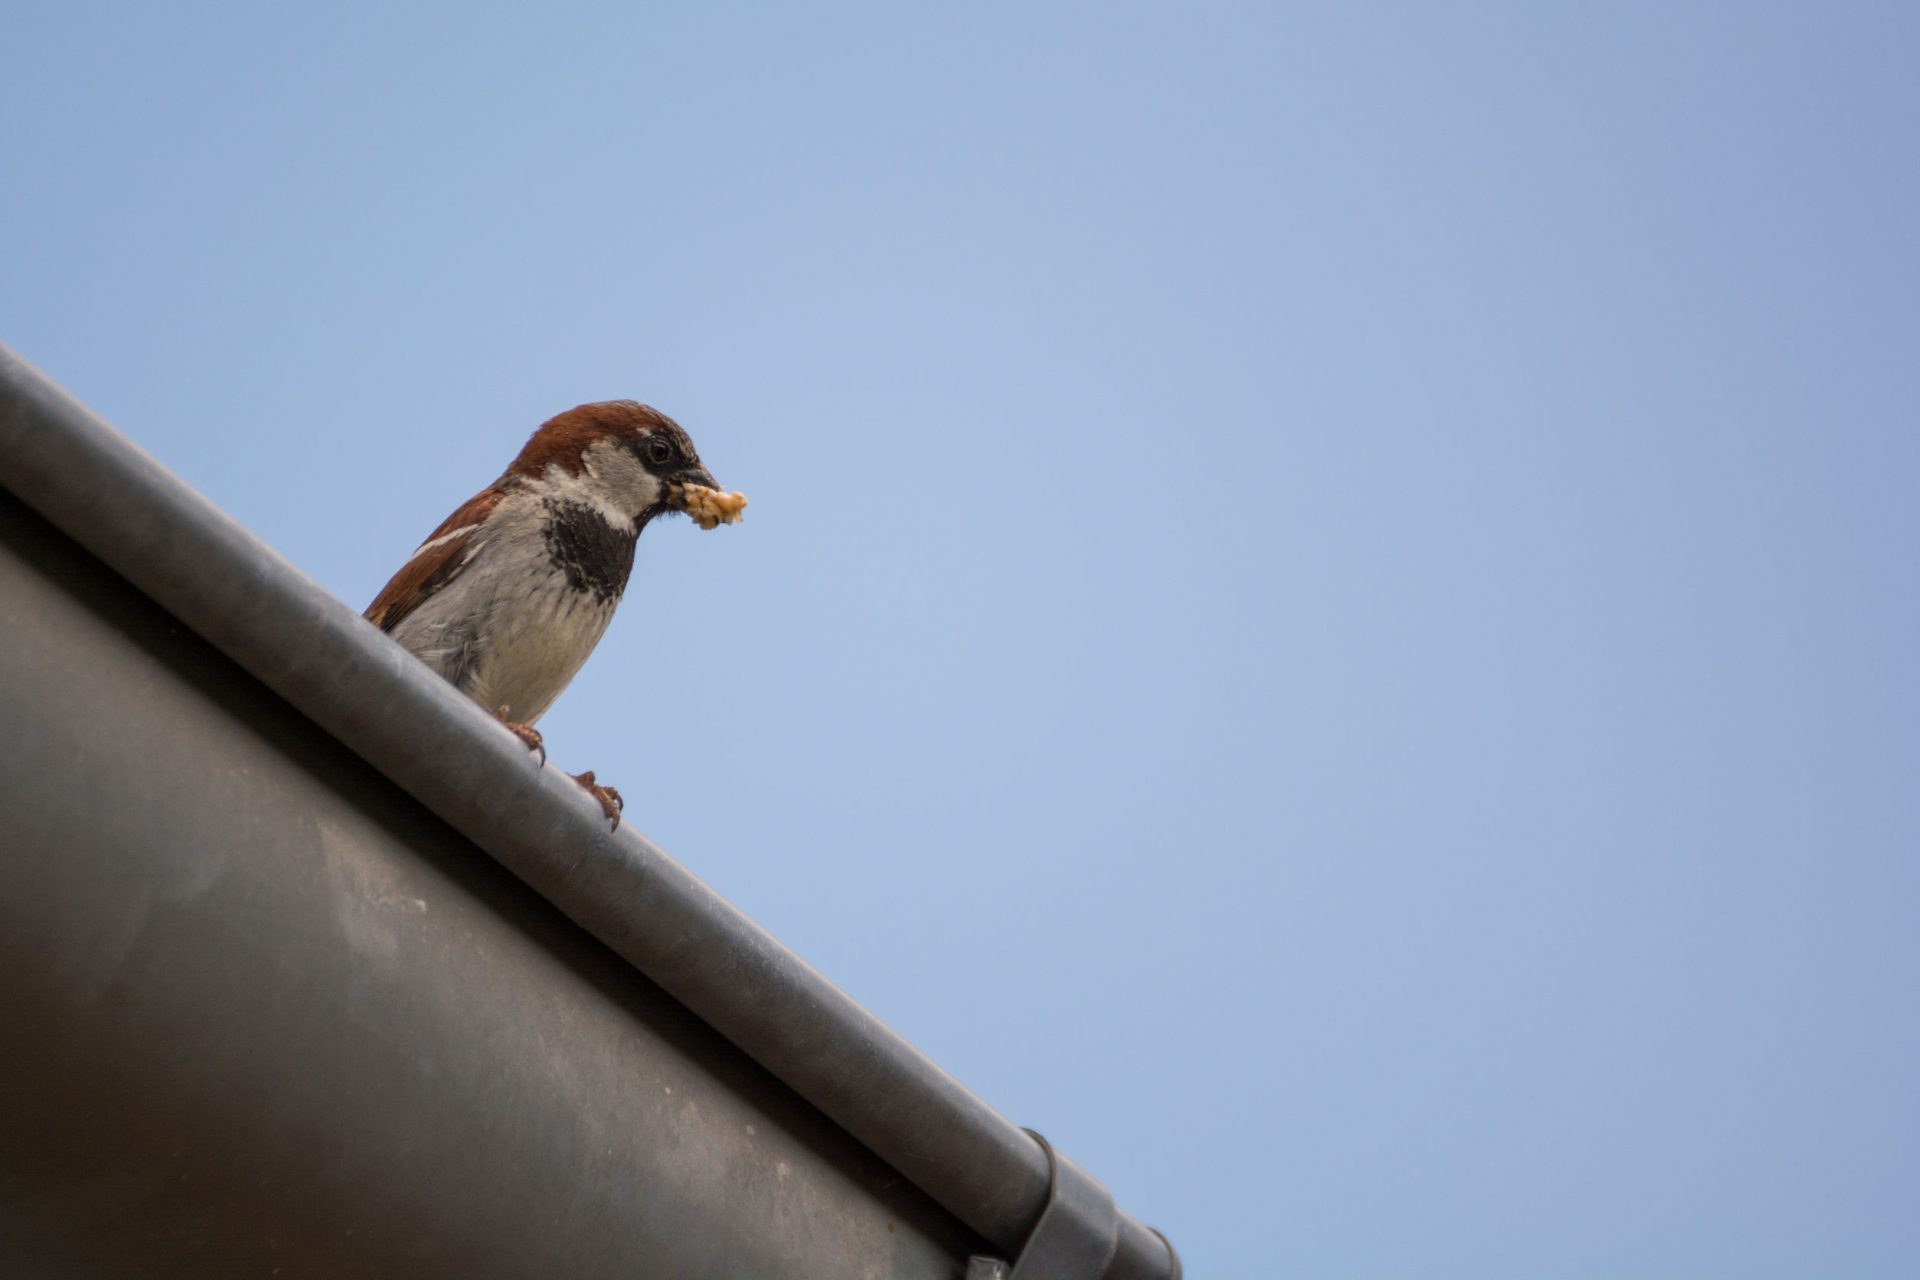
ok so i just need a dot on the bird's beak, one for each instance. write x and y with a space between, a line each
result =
693 478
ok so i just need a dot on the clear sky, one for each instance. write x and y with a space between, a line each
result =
1329 615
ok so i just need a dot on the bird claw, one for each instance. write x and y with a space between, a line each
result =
609 798
525 732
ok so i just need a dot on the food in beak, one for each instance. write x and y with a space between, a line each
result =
711 508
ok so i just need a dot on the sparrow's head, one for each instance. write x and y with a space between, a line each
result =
631 457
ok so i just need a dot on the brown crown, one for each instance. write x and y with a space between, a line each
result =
562 438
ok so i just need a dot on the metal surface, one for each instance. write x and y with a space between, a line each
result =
265 1015
1077 1232
364 691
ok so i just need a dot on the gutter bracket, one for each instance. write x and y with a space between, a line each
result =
1079 1230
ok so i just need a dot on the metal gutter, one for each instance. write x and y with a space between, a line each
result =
365 691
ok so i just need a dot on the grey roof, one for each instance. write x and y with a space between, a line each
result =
360 688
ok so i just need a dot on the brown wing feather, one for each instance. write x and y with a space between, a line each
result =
430 570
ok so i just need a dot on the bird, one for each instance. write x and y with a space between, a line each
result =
510 594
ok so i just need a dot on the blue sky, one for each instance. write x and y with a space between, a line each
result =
1329 611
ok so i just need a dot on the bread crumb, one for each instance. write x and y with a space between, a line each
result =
711 508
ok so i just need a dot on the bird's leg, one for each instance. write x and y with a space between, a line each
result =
609 798
525 732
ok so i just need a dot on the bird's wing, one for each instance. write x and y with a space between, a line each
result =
440 559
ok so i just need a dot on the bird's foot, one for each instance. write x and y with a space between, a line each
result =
609 798
525 732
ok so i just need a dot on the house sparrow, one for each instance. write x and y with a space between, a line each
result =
509 595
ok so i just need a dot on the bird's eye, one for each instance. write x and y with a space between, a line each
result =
659 451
